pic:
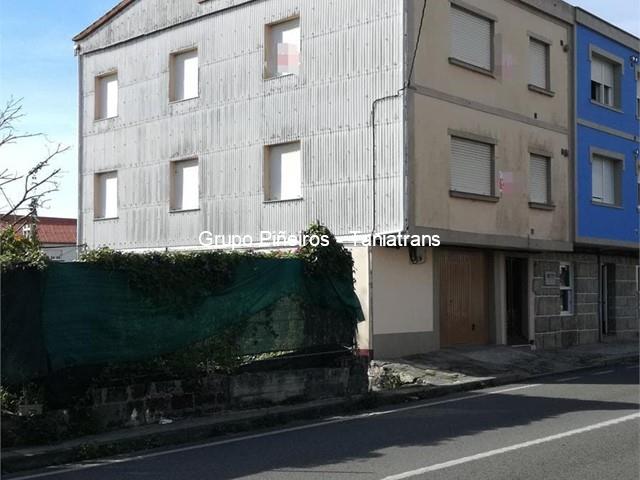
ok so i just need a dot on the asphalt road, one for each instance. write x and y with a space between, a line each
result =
579 426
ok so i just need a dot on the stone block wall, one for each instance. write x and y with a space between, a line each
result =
141 404
582 326
625 292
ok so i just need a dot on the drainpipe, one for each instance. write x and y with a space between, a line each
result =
79 239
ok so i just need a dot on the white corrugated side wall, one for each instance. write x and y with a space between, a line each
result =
352 53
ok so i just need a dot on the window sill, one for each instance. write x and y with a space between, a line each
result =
609 205
608 107
543 91
474 196
189 210
542 206
99 120
566 314
473 68
182 100
104 219
285 200
268 78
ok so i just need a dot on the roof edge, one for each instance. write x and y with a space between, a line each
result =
558 9
588 19
120 7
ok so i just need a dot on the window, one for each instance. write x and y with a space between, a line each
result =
107 96
539 179
606 173
472 166
566 289
185 185
283 48
283 172
106 195
27 230
539 58
184 75
471 39
605 78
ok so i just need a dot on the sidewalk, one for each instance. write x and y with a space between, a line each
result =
455 366
418 377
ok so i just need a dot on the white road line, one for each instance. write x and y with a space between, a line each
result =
604 372
567 379
518 446
332 421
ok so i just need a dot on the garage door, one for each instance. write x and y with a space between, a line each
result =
463 298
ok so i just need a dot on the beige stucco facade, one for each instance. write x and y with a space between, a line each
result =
447 99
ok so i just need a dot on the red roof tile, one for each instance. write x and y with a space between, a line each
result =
52 230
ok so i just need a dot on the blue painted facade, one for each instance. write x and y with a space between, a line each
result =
595 223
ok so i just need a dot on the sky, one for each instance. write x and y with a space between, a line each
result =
37 64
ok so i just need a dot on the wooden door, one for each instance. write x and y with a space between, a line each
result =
463 298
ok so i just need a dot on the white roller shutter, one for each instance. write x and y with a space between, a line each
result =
471 38
602 72
596 70
603 179
471 166
538 57
539 179
596 178
608 181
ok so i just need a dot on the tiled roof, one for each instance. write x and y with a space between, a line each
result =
52 230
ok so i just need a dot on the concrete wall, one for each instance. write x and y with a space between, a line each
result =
604 224
362 286
145 403
500 106
402 303
626 308
612 130
510 221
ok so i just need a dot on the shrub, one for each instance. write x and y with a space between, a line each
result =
17 252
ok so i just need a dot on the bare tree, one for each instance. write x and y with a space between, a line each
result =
33 185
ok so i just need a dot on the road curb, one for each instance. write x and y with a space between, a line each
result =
23 460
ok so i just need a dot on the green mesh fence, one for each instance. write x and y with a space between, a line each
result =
78 314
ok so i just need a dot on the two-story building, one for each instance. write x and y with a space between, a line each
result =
607 194
379 117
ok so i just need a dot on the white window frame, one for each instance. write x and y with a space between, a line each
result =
599 157
177 196
463 59
271 69
102 209
103 91
612 99
566 288
174 58
275 176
